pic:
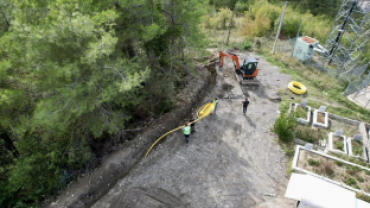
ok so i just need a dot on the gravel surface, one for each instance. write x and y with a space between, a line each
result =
231 161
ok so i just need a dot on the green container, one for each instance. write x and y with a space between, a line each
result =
303 48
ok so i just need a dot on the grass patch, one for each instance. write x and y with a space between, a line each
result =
339 163
308 134
350 181
360 179
353 170
339 145
352 160
357 148
301 112
320 86
313 162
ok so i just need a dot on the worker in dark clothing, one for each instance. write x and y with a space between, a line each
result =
192 126
245 105
187 132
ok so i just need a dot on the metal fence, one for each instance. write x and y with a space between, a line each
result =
286 46
359 91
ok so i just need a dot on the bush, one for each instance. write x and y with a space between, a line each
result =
283 127
339 163
264 8
258 43
271 11
313 162
221 20
350 181
339 145
257 27
290 25
316 27
241 7
360 179
247 45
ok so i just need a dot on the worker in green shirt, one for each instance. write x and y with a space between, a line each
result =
187 132
215 102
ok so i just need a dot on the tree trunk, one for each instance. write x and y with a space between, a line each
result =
6 20
128 48
9 145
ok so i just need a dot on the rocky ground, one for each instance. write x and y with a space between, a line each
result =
231 161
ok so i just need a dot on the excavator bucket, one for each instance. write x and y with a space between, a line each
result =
250 83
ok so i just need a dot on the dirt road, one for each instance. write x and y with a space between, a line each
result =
231 161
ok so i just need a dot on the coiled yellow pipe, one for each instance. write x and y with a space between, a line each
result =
203 112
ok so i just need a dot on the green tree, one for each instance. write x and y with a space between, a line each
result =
329 8
73 71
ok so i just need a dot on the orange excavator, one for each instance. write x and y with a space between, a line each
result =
248 70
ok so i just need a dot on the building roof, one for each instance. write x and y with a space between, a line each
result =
319 193
308 40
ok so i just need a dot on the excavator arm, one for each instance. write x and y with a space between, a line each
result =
234 57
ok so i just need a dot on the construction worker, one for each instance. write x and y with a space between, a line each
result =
187 132
215 102
245 105
192 126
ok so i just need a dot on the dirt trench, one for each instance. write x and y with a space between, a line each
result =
88 189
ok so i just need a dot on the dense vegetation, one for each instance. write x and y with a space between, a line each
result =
74 74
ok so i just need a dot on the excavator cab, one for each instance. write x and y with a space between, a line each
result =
249 67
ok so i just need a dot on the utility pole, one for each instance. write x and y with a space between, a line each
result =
281 23
230 25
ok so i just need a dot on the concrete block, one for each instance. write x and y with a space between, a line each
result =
315 121
303 121
349 141
357 137
303 143
339 132
308 146
344 120
331 143
322 109
304 103
365 138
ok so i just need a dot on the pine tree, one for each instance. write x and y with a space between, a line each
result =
72 71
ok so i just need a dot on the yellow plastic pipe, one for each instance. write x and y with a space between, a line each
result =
203 112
